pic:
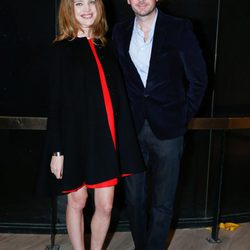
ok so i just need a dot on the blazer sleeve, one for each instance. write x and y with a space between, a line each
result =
54 125
194 66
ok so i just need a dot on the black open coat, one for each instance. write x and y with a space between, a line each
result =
77 122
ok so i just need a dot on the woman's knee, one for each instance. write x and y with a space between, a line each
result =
104 200
105 208
77 200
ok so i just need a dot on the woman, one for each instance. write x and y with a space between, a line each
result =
90 132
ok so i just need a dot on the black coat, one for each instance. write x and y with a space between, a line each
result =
77 122
176 80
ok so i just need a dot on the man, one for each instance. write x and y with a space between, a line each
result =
166 78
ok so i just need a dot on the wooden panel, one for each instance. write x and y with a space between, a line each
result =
40 123
23 123
179 239
220 123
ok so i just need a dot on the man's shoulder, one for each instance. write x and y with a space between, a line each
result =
122 30
166 19
124 24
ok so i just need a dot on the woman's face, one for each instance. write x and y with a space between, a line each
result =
85 12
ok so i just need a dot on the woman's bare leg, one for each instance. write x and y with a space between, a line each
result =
74 217
101 219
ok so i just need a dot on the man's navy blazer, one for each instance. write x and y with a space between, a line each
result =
176 80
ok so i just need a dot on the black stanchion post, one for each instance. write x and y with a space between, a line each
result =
217 196
53 211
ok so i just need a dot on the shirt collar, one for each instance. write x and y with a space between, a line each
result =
152 28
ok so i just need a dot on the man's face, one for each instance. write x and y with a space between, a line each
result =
142 7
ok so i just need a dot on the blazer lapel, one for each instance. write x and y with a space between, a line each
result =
156 46
127 38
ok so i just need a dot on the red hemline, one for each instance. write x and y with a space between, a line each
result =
108 183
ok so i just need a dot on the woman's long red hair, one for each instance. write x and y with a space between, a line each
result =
69 26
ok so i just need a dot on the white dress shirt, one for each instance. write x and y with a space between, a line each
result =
140 50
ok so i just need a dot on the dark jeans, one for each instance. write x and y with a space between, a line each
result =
155 188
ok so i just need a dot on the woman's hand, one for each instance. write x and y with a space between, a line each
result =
56 166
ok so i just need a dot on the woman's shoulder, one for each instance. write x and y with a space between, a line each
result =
60 49
67 46
60 44
57 47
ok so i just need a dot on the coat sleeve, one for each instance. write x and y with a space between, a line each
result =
129 151
194 66
54 126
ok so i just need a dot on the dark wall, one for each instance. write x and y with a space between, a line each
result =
26 30
232 98
232 88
